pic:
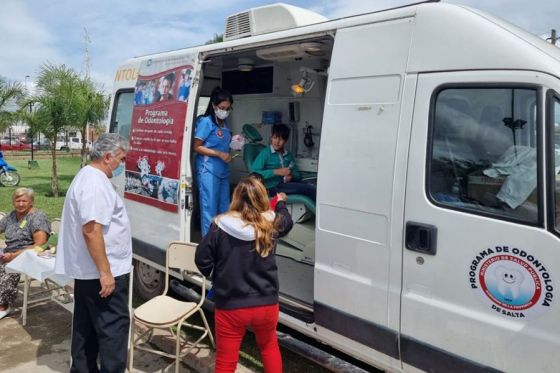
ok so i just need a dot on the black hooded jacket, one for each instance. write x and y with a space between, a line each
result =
241 277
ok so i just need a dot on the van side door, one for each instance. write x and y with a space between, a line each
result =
479 264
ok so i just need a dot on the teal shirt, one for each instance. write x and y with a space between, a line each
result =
268 160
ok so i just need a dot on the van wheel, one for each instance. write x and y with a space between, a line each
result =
65 148
148 281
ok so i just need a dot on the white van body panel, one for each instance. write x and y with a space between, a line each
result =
439 306
361 123
458 38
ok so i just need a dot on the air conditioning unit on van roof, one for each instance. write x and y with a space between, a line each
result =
268 18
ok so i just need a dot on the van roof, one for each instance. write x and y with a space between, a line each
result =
446 37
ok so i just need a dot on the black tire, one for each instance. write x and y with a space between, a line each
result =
65 148
148 281
10 178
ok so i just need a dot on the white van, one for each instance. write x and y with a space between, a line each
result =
434 244
71 141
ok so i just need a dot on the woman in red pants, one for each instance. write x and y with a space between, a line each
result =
239 253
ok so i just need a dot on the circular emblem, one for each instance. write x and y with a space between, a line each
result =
220 133
512 282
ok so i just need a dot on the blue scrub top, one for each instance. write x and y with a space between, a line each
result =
213 137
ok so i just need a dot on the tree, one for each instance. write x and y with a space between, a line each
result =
58 105
9 92
93 106
218 38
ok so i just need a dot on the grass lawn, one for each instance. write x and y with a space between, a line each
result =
39 179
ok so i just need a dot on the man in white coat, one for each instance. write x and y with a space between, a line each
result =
95 248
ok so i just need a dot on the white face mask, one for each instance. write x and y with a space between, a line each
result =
221 114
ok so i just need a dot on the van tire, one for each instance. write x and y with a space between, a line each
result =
148 281
65 148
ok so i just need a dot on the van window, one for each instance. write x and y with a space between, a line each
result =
122 114
483 152
556 157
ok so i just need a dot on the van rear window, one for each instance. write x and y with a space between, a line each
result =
484 156
122 113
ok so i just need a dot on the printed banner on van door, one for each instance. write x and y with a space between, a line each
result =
512 282
156 136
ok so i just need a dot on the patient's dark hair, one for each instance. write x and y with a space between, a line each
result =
257 176
281 130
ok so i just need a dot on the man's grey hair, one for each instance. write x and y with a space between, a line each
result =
108 143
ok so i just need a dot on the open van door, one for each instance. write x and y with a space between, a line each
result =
157 169
480 262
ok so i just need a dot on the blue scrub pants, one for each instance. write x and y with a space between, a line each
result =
214 197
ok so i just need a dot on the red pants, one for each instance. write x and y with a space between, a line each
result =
230 329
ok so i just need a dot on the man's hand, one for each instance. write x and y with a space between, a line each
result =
107 282
283 171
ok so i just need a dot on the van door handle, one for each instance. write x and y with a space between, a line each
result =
421 238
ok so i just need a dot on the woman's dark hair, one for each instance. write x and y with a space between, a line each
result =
218 95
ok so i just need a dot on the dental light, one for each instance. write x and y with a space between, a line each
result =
305 83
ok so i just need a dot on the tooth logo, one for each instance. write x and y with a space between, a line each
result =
512 282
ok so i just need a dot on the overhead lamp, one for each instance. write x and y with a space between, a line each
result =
313 48
245 64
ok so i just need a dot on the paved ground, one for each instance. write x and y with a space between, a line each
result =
43 345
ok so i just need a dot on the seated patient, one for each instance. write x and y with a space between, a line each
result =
25 227
278 166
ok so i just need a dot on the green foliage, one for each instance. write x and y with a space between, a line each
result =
92 106
218 38
64 100
9 92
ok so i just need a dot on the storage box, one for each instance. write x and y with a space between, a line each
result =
484 189
271 117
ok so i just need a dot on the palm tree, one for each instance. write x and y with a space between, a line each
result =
58 106
9 92
93 106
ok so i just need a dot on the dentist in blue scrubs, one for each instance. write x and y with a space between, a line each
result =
211 143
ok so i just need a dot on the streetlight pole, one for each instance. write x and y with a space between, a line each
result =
30 110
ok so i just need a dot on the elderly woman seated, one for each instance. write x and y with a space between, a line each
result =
25 227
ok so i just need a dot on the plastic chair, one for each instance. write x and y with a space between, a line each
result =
164 312
55 226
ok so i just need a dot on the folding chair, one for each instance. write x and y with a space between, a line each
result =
55 226
163 312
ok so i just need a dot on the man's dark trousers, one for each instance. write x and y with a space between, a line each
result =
100 327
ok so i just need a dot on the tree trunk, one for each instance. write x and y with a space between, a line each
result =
54 176
83 153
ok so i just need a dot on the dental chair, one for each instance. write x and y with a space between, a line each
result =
299 244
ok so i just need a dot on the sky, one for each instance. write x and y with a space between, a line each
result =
34 32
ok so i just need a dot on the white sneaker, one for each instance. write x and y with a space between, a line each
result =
5 312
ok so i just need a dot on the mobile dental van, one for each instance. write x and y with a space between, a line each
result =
432 134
